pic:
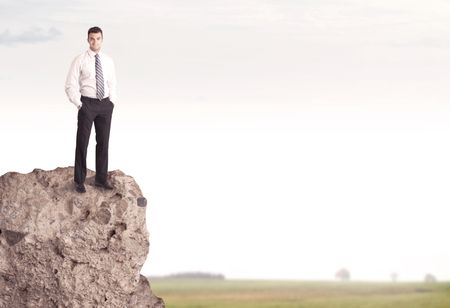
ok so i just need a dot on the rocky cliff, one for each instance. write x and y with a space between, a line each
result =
59 248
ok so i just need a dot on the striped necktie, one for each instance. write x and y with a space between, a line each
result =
99 77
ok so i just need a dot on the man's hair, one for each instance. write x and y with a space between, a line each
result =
95 30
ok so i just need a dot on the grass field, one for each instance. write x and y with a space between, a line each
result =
196 293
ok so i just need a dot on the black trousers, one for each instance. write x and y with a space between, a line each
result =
98 112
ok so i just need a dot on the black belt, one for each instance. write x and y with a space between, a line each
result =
94 99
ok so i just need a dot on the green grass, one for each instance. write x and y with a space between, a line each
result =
184 293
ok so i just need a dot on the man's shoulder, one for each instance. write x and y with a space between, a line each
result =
107 56
80 56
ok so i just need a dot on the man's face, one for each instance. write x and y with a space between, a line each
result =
95 41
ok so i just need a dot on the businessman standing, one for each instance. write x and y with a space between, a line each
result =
91 87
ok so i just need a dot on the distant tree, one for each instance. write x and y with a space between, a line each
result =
343 274
429 278
197 275
394 277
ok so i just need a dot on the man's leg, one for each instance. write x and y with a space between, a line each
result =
102 124
85 119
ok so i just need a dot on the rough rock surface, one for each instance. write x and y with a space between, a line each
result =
60 248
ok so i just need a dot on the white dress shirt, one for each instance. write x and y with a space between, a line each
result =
81 77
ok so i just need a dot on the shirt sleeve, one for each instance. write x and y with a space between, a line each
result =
112 84
72 82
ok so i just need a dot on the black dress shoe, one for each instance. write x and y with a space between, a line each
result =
80 188
105 185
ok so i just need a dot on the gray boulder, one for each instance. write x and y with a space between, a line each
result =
60 248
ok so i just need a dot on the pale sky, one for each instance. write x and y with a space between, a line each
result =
272 139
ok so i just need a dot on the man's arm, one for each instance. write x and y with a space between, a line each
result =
112 83
72 83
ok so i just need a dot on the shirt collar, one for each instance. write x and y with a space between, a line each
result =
92 53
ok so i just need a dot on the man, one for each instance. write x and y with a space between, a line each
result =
92 74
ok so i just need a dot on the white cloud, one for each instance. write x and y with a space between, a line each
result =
32 36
